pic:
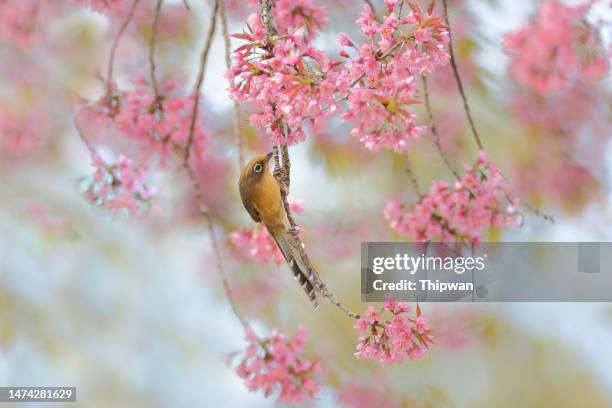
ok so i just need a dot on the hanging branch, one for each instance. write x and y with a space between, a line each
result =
434 129
282 165
200 78
199 195
196 186
152 66
228 64
413 180
267 18
466 106
124 25
90 147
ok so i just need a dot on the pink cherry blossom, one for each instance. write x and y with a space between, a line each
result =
289 82
459 212
563 111
296 206
395 338
397 51
291 15
292 83
157 127
257 244
20 131
19 21
119 188
274 365
555 49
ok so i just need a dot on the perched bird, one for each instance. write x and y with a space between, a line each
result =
261 196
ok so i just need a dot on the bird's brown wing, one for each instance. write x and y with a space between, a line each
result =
252 210
248 204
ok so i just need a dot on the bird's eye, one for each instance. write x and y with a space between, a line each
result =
258 168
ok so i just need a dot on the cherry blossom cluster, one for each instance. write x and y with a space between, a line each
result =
17 21
287 79
19 130
556 49
460 212
159 126
563 112
291 15
393 338
291 82
275 364
119 188
258 244
397 51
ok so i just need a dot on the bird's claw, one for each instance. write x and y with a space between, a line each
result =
293 231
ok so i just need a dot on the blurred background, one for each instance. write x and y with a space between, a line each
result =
131 311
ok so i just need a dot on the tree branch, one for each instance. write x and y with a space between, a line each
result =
267 18
92 149
466 106
196 186
199 195
413 180
434 129
228 63
282 166
200 79
124 25
152 66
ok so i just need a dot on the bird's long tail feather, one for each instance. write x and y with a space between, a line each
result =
303 271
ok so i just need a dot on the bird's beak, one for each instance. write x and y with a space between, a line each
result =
269 156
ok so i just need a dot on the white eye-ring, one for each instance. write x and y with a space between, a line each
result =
258 168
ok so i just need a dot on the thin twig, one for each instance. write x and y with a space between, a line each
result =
538 213
282 166
528 206
152 53
92 149
124 25
413 180
228 63
434 129
200 79
383 56
466 106
458 80
186 5
374 13
330 296
199 195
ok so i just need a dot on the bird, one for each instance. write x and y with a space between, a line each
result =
261 196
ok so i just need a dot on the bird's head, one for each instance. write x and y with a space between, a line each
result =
255 169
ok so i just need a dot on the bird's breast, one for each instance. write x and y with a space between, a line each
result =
269 202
